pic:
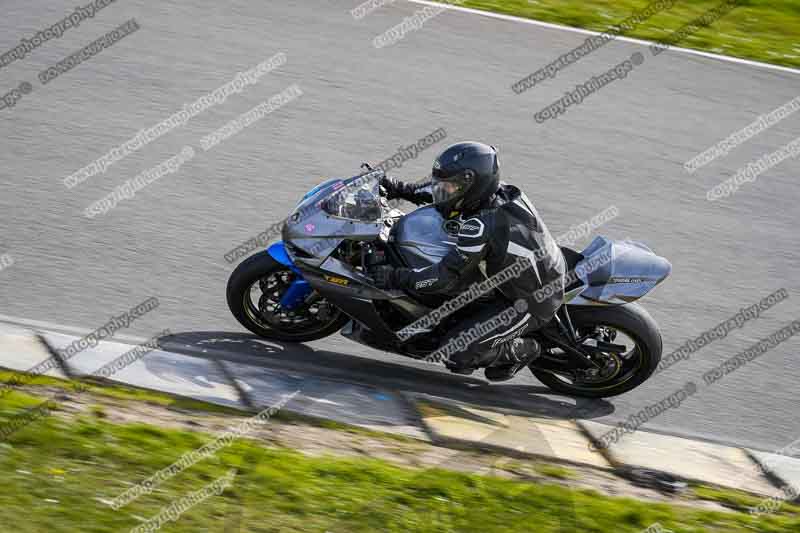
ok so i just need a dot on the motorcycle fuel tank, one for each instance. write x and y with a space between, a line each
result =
423 237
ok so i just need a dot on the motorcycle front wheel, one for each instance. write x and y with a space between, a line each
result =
254 294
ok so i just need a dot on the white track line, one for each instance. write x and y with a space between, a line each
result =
592 32
49 327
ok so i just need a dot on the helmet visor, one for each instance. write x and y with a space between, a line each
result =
445 191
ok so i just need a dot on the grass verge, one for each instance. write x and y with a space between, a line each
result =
737 500
120 392
58 474
761 30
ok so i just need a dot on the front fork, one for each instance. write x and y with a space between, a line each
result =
299 289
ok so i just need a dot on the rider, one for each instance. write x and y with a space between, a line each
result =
498 225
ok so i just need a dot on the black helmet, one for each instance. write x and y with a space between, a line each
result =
464 177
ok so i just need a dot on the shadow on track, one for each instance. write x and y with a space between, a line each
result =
337 366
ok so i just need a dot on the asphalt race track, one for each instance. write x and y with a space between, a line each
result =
623 146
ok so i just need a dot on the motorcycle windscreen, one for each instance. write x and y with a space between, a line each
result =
357 200
618 272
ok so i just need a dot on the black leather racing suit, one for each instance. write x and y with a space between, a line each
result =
506 229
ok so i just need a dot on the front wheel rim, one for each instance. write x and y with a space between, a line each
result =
261 303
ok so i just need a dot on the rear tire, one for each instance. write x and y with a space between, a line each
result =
635 322
253 270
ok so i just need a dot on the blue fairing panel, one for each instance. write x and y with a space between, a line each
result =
299 289
278 252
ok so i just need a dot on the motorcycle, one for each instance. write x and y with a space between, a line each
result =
315 282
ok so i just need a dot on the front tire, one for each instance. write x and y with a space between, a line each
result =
635 366
264 317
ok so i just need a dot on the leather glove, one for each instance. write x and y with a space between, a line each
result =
383 276
385 186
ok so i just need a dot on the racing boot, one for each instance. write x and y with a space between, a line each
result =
514 356
456 366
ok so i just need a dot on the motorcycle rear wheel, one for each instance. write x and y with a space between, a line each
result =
629 370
